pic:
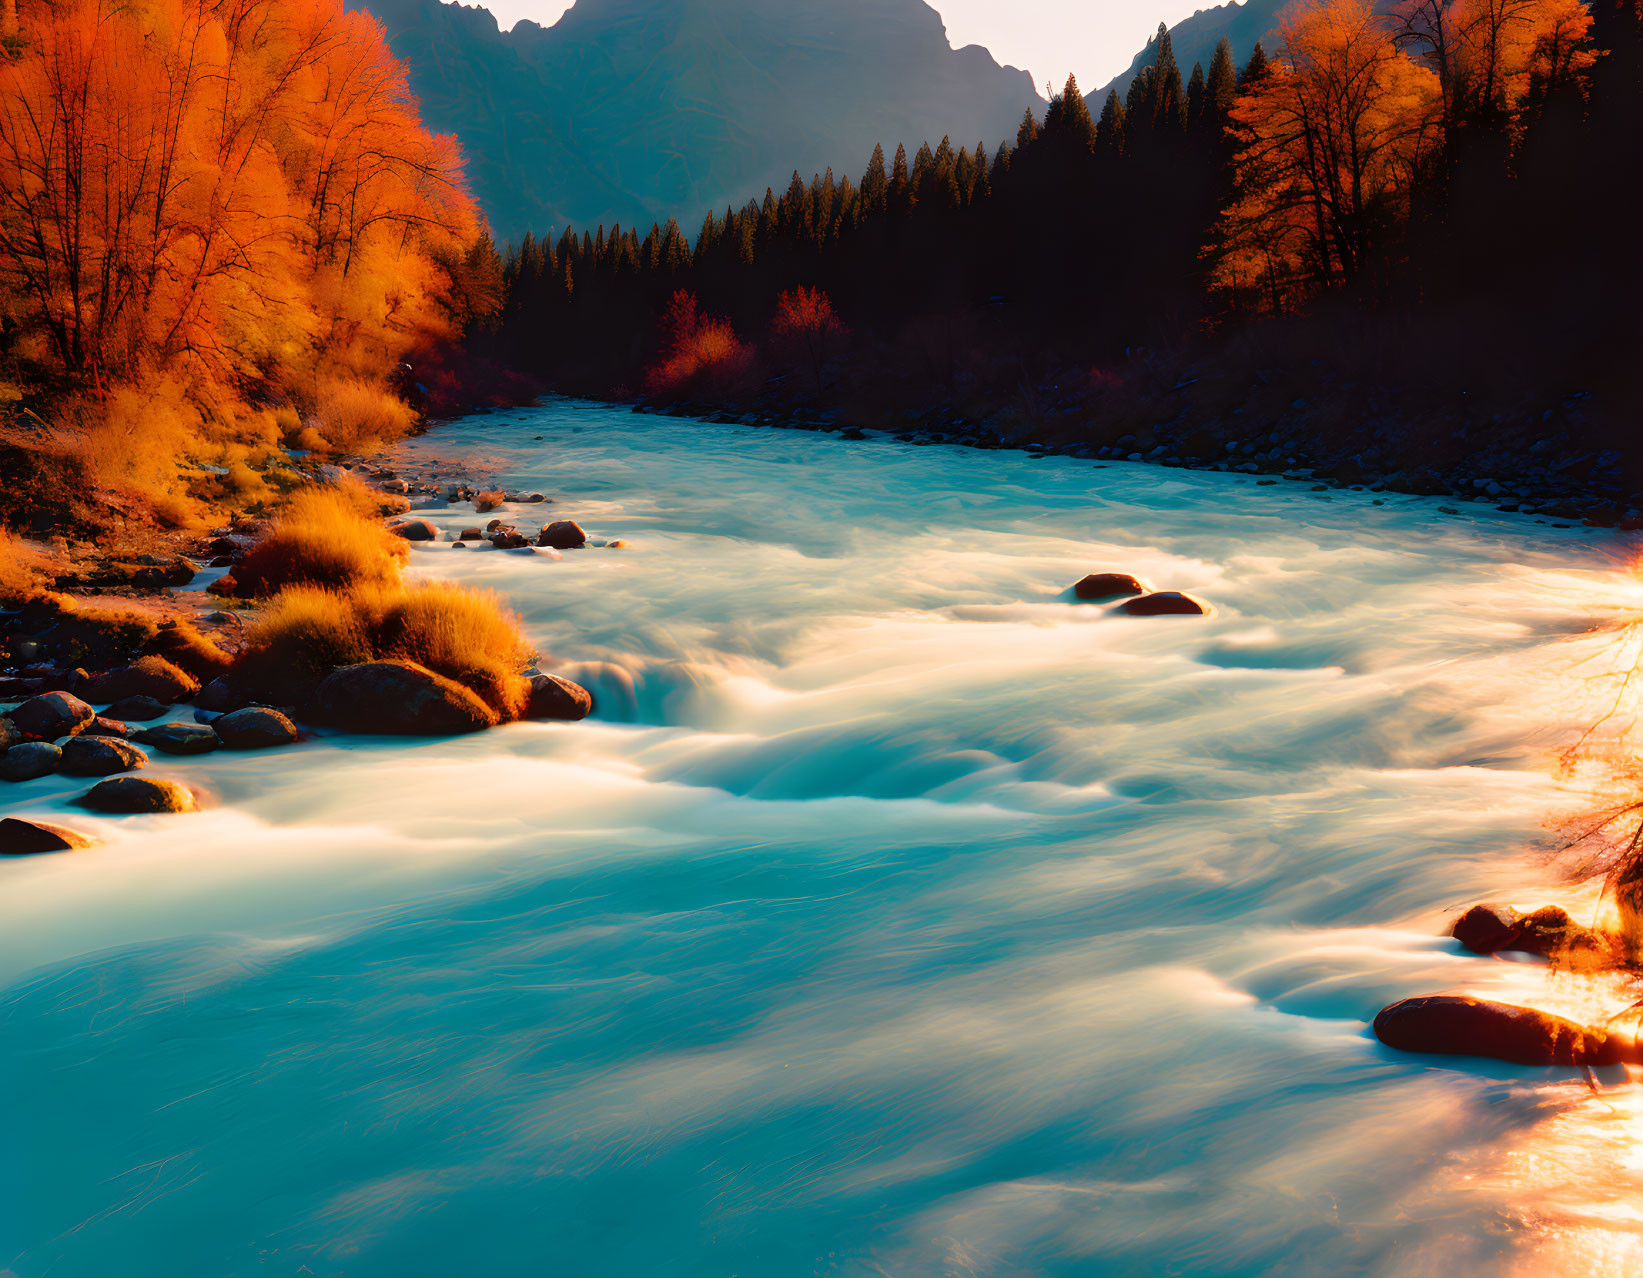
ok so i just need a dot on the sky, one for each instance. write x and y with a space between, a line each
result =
1094 39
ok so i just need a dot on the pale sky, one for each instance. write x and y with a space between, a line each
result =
1094 39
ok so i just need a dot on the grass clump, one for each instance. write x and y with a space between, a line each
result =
189 648
324 539
22 570
466 635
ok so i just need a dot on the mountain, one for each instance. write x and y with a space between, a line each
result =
1195 38
633 111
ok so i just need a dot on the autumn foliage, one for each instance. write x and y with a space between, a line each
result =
700 354
324 539
1360 114
222 228
807 331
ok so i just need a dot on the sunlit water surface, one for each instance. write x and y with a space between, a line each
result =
895 916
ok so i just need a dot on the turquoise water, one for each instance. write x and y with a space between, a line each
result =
895 916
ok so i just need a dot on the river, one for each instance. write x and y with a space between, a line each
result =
895 915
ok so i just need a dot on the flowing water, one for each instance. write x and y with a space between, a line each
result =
895 916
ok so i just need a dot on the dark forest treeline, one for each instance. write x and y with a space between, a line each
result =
1460 220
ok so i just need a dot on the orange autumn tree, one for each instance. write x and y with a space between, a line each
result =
1330 142
807 329
1492 56
217 217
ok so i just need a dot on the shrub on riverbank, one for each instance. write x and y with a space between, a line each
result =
322 539
466 635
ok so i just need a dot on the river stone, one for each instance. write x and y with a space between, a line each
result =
85 756
472 534
556 698
1454 1025
180 738
1109 585
563 534
1166 603
30 760
415 530
52 715
400 697
30 838
152 677
218 695
137 709
133 795
102 726
1487 929
254 728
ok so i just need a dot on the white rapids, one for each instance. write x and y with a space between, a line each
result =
895 915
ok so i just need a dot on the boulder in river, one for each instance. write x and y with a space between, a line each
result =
29 761
85 756
556 698
1454 1025
1166 603
563 534
152 677
127 796
400 697
472 534
415 530
508 539
254 728
1109 585
180 738
52 715
137 709
218 695
31 838
102 726
1488 929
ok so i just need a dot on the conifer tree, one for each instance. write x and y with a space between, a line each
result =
875 184
1255 70
1195 97
1028 132
1109 130
1221 88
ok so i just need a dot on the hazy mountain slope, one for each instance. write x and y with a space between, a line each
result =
634 110
1194 39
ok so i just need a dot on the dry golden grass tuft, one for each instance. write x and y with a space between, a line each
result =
470 636
321 539
190 649
466 635
22 569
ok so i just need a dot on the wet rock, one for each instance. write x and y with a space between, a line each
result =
1455 1025
534 499
415 530
400 697
254 728
1488 929
152 677
1549 932
563 534
219 695
105 727
1166 603
30 760
1109 585
52 715
85 756
180 738
126 796
472 534
510 540
31 838
556 698
137 709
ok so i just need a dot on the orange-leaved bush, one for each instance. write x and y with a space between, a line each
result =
699 353
807 331
22 569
